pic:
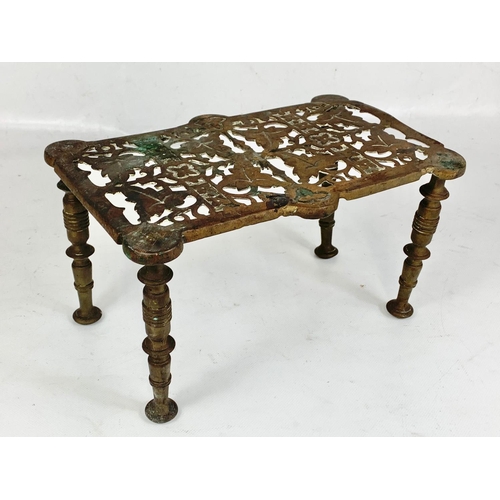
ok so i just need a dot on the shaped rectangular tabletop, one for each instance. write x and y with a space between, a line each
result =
218 173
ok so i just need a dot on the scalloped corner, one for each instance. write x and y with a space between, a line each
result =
148 244
62 149
330 98
448 165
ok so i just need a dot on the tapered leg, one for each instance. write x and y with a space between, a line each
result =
76 221
424 226
157 313
326 250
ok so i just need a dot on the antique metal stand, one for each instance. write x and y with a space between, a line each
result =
157 191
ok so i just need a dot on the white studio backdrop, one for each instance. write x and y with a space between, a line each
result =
143 96
270 340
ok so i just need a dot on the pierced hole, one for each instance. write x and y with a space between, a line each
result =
226 169
365 135
358 145
166 222
119 200
376 154
293 133
107 155
227 142
195 162
155 218
280 164
313 118
346 127
203 210
285 141
232 190
151 185
275 125
421 155
274 189
95 176
347 138
157 171
300 112
178 188
313 179
190 215
257 198
167 180
131 153
189 201
354 173
150 163
251 144
300 152
395 133
367 117
387 163
136 175
216 179
216 158
177 145
243 201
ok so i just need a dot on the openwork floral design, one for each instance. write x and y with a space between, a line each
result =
233 166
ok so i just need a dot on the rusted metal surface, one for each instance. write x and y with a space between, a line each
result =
220 173
154 192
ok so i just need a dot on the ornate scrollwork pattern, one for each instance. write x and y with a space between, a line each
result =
217 166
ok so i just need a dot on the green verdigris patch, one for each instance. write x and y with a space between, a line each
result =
303 192
153 146
449 162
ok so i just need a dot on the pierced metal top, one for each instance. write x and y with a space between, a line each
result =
153 191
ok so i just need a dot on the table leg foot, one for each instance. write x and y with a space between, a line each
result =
87 317
161 413
326 250
398 309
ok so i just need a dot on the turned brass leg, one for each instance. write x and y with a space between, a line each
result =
76 221
326 250
157 313
424 226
